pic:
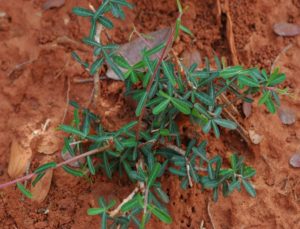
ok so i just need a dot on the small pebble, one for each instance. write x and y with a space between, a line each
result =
287 116
295 160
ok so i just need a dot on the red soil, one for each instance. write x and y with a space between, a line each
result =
37 91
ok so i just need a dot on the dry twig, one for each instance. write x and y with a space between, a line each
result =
210 216
67 100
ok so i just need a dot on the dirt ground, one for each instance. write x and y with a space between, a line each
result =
37 73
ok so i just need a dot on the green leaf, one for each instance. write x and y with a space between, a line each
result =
248 81
248 172
45 167
168 73
160 214
177 172
73 172
90 165
182 106
164 132
78 59
25 191
141 104
123 3
162 195
194 174
107 165
105 22
210 171
270 105
249 188
208 183
186 30
71 130
86 123
113 66
201 109
96 65
204 98
154 50
153 174
216 129
131 204
179 6
233 161
226 123
264 98
177 27
93 28
276 78
122 62
126 127
136 176
233 185
231 71
218 63
91 42
160 107
37 179
104 220
111 204
95 211
68 147
82 12
280 78
206 128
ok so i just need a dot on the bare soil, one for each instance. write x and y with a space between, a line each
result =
37 73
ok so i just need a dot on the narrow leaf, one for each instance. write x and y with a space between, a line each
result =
45 167
25 191
160 107
95 211
141 104
181 106
160 213
153 174
249 188
226 123
73 172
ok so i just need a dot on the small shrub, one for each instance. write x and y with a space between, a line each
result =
151 145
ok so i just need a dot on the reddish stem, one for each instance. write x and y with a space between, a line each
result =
169 41
29 176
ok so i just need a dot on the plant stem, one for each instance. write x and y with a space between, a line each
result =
169 41
99 28
29 176
128 198
96 75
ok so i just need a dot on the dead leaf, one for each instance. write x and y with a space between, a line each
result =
247 107
132 51
225 8
41 189
254 137
287 116
76 164
49 142
20 157
190 57
49 4
286 29
295 160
